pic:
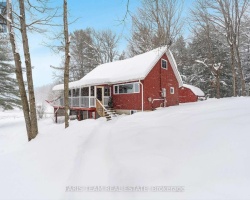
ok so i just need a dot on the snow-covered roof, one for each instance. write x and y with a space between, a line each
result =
197 91
131 69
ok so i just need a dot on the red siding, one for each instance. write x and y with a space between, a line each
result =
127 101
186 95
156 79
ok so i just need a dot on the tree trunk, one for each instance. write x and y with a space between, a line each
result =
236 43
212 60
233 70
242 79
218 84
32 102
67 60
18 71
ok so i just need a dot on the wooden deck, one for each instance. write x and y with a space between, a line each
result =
77 108
80 113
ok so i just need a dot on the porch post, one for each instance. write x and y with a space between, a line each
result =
80 97
55 115
95 95
142 98
71 101
89 95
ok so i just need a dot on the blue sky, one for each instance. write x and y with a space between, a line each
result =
98 14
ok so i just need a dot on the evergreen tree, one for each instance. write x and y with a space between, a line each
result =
180 52
9 94
200 70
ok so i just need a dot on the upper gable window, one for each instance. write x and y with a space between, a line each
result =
164 64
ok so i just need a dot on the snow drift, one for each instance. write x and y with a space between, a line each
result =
202 147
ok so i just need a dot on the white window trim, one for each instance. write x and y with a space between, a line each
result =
126 84
166 64
171 90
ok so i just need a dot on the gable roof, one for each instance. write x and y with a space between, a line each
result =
128 70
197 91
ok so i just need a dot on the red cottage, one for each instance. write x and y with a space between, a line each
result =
140 83
190 93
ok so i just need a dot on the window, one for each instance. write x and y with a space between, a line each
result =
85 91
137 88
124 89
92 91
164 64
106 91
116 89
127 88
171 90
76 92
133 112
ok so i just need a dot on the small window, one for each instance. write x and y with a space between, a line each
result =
116 89
171 90
133 112
164 64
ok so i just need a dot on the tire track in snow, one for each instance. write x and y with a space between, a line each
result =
91 167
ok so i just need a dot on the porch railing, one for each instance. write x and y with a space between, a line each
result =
106 101
84 102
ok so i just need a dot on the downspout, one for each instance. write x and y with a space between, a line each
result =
142 95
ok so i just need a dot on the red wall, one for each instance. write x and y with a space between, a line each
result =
127 101
186 95
156 79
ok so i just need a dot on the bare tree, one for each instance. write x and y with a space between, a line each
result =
20 23
156 24
88 49
83 56
19 74
67 60
105 45
32 101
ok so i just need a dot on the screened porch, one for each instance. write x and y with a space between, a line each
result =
85 97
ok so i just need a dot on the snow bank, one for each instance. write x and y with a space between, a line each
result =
206 154
197 91
132 69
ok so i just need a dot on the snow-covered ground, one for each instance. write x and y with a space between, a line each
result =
202 149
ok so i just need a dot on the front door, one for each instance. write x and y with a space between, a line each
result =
99 93
99 101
